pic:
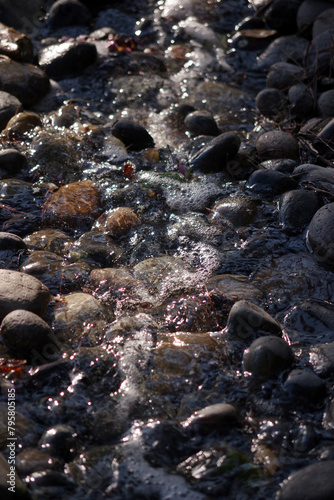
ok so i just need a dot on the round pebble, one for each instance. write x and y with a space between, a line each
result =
271 102
326 104
118 221
66 59
305 384
315 482
213 417
10 241
267 357
320 235
59 441
133 135
9 106
12 160
270 182
282 75
214 157
277 144
302 101
68 13
201 123
297 208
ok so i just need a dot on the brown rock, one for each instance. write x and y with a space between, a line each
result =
118 222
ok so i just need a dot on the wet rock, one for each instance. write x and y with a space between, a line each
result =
6 473
314 481
68 13
284 165
326 103
23 332
117 222
90 466
247 321
15 45
214 157
282 75
305 385
320 51
32 460
51 240
302 101
322 359
57 275
277 144
326 138
11 242
283 49
9 106
26 430
21 123
282 16
94 247
320 235
73 206
26 82
271 102
67 58
59 441
12 161
21 291
201 123
133 135
309 11
270 182
221 416
237 211
267 357
297 209
323 22
78 318
236 287
311 175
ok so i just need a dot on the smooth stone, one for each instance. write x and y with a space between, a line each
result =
326 137
9 106
283 49
68 13
215 156
315 176
267 357
220 416
59 441
133 135
282 16
271 102
304 384
162 272
296 209
326 103
201 123
277 144
21 123
282 75
302 101
323 22
23 332
32 460
12 161
314 482
117 222
236 287
270 182
67 58
21 291
284 165
75 205
58 275
28 83
320 236
15 45
51 240
247 321
319 54
308 13
20 492
321 358
12 242
237 211
94 247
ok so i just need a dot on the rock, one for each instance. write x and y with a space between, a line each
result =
59 441
305 385
21 291
302 101
31 460
68 13
326 103
23 332
221 416
247 321
51 240
270 182
322 359
21 123
277 144
26 82
12 242
201 123
283 49
267 357
67 58
215 156
284 165
297 209
313 482
57 275
319 54
8 475
133 135
15 45
320 236
73 206
282 16
237 211
236 287
323 22
309 11
326 138
311 175
12 161
117 222
9 106
271 103
94 247
283 75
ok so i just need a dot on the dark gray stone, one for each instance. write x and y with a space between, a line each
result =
283 49
133 135
297 209
322 359
277 144
305 385
9 106
270 182
315 482
282 16
320 52
326 103
309 11
214 157
59 441
283 165
267 357
282 75
324 22
271 102
12 160
320 235
302 101
12 242
68 13
310 175
218 416
67 58
201 123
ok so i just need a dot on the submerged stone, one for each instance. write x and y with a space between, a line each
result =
267 357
